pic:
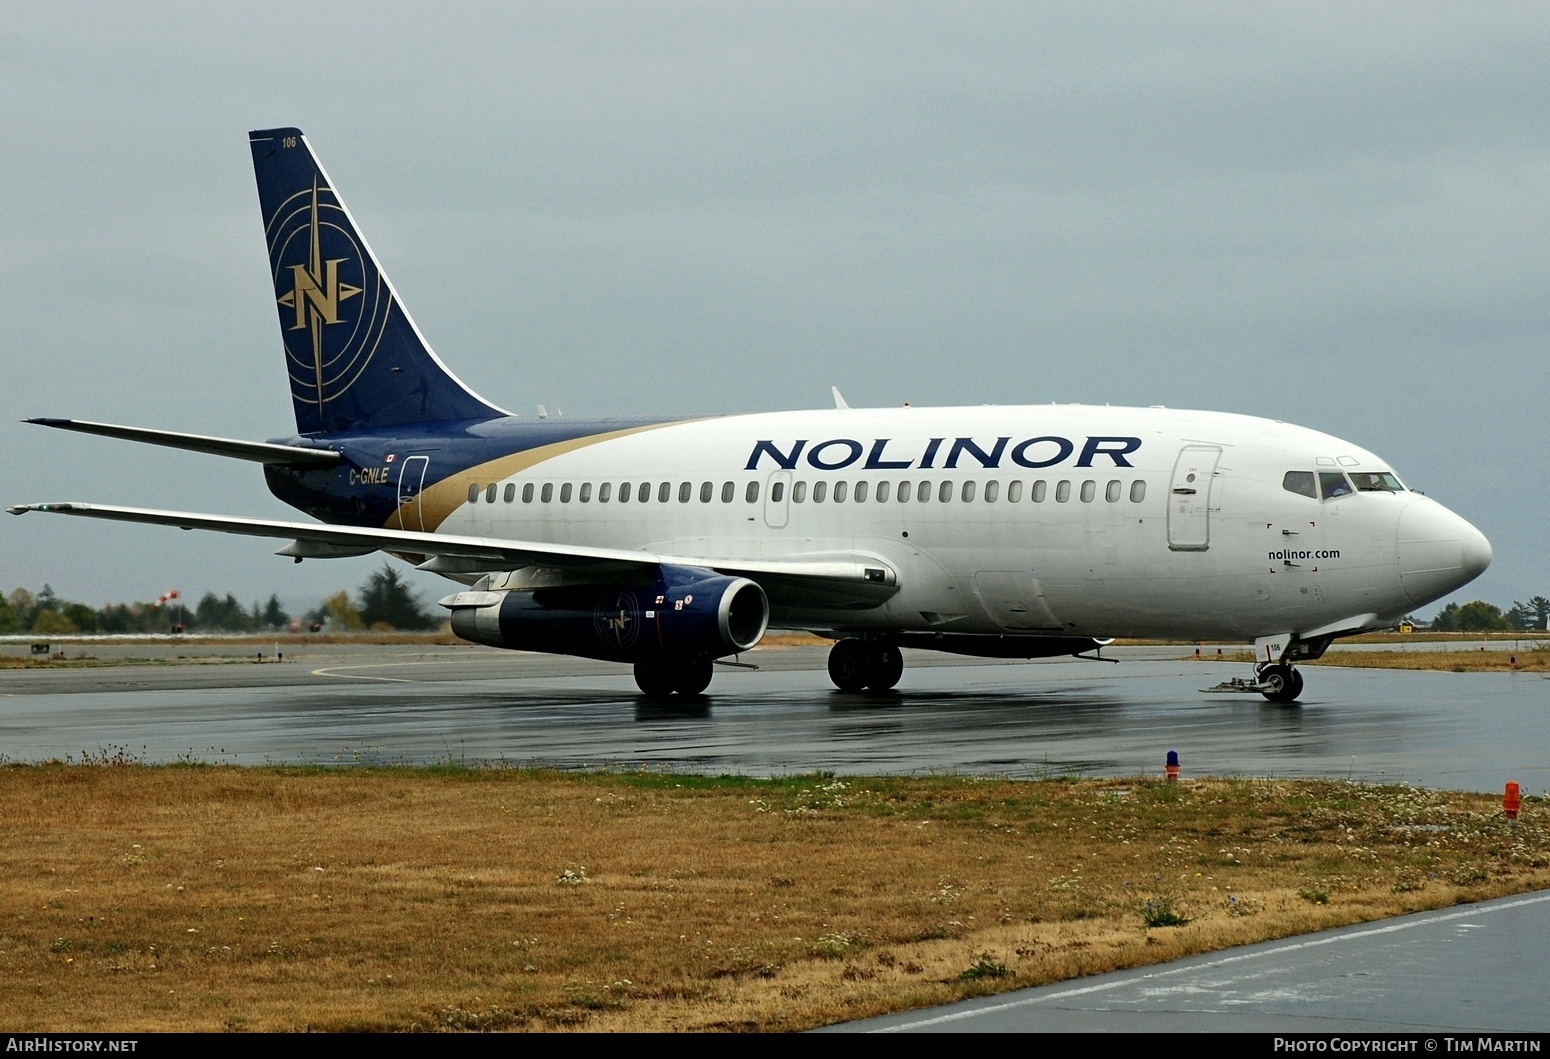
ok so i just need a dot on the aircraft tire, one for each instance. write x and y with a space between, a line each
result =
655 679
692 676
1285 683
887 666
848 665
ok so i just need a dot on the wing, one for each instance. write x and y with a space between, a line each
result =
847 580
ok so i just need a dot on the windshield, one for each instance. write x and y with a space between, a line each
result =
1333 484
1376 482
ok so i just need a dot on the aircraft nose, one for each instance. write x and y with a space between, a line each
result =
1438 551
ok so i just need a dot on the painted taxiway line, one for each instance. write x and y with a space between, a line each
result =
331 671
1408 924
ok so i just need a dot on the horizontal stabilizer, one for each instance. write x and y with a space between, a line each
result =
257 451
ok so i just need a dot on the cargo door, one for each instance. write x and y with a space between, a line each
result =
1189 498
1014 600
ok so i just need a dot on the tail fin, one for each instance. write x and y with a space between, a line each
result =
355 358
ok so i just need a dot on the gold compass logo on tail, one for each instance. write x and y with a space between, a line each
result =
317 292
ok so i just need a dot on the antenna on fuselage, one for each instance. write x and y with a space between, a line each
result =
839 398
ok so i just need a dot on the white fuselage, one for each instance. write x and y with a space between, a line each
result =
1093 521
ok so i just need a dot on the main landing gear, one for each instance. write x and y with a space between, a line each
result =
857 665
661 677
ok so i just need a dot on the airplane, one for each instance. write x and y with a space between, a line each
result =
671 543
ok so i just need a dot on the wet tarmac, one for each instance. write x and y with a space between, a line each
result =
422 705
1479 969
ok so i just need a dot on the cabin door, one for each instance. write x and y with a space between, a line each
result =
1189 498
411 480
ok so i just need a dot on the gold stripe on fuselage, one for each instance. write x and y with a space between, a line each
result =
440 500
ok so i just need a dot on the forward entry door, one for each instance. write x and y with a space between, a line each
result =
1189 498
411 480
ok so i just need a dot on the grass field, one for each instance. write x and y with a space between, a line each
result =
218 897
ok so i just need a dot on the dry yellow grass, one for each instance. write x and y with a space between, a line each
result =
211 897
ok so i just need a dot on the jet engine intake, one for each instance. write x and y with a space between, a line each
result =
684 612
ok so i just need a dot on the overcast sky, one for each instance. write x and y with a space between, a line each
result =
1331 214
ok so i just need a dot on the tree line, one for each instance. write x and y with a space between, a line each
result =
1480 616
383 602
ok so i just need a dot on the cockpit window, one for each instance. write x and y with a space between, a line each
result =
1334 484
1376 482
1301 483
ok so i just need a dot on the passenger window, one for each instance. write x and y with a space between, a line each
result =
1014 492
1111 492
624 492
904 492
777 491
473 493
565 491
840 489
586 493
1137 491
643 494
799 493
605 491
548 493
882 492
992 491
1376 482
1062 492
968 492
1301 483
1089 491
728 491
664 492
820 491
707 491
489 493
527 493
1334 484
945 493
685 491
923 492
752 494
1038 491
861 490
510 493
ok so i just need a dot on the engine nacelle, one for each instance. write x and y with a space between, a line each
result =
683 613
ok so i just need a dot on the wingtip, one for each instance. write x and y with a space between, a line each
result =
22 509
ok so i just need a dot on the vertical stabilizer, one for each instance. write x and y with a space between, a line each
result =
355 358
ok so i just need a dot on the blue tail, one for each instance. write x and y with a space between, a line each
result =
355 358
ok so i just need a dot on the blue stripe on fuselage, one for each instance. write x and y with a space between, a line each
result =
363 489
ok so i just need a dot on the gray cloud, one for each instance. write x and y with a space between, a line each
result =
1326 215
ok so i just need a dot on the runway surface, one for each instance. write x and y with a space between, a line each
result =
1471 968
1480 968
418 705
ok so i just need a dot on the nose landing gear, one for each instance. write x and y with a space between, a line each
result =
856 665
1278 682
